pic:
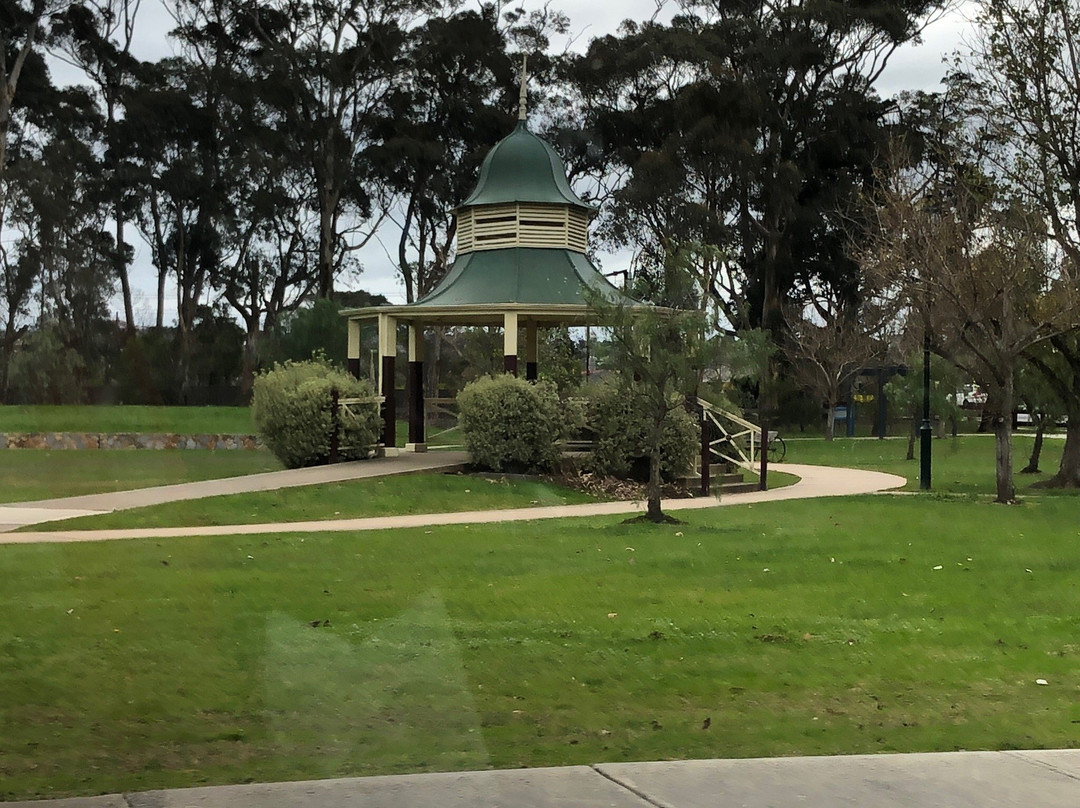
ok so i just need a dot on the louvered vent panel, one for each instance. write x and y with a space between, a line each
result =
465 231
523 225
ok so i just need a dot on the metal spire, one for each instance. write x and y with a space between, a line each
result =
523 104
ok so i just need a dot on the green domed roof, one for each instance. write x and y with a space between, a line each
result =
521 275
523 168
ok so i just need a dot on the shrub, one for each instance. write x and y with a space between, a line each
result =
291 407
511 424
622 446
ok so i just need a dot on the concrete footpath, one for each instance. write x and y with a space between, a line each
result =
1036 779
814 482
20 514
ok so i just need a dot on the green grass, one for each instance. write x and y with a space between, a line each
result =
813 627
180 420
963 465
30 474
436 435
426 493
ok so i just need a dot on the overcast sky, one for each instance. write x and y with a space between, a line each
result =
912 67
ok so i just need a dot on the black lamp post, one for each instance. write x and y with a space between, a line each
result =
926 431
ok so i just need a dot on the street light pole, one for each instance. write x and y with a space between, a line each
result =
926 431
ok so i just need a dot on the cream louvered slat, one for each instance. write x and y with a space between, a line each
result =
495 227
465 230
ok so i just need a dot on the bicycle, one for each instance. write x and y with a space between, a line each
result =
775 449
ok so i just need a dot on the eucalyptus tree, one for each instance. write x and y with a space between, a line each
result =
327 72
449 109
23 28
96 36
748 126
59 249
166 135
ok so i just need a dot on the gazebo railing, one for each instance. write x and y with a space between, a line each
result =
728 437
440 417
341 408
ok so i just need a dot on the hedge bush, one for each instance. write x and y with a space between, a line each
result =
291 408
509 424
622 426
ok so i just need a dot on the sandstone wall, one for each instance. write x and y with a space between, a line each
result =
124 440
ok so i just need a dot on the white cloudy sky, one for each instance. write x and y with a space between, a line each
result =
913 67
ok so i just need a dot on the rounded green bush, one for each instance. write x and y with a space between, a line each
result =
509 424
291 407
622 445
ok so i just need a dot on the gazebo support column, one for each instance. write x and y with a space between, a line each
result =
353 353
531 366
510 342
414 389
388 352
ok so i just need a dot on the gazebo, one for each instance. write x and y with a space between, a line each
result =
521 263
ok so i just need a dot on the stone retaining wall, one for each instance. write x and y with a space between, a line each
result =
124 440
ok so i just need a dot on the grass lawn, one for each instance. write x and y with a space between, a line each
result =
963 465
871 624
180 420
356 498
436 435
29 474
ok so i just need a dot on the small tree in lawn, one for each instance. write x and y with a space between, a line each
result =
661 354
906 394
828 345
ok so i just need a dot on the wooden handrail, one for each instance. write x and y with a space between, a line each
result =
741 445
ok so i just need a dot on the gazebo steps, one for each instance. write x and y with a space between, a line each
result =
727 484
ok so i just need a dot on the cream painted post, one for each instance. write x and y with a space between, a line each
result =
531 366
510 342
353 352
414 389
388 353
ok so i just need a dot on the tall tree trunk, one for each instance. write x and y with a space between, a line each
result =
653 511
1036 451
159 321
119 255
250 360
120 265
1006 491
912 436
1068 473
830 421
325 284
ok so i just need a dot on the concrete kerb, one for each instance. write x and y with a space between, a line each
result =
814 482
1019 779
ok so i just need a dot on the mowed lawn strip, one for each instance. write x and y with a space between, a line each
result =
860 625
126 418
386 496
32 474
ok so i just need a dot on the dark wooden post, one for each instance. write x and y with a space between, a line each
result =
882 404
388 349
353 352
510 342
706 451
414 387
531 352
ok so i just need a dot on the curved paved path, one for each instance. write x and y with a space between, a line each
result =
815 481
20 514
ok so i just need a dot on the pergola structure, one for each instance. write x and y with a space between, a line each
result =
522 237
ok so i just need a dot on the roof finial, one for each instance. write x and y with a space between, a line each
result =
523 104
